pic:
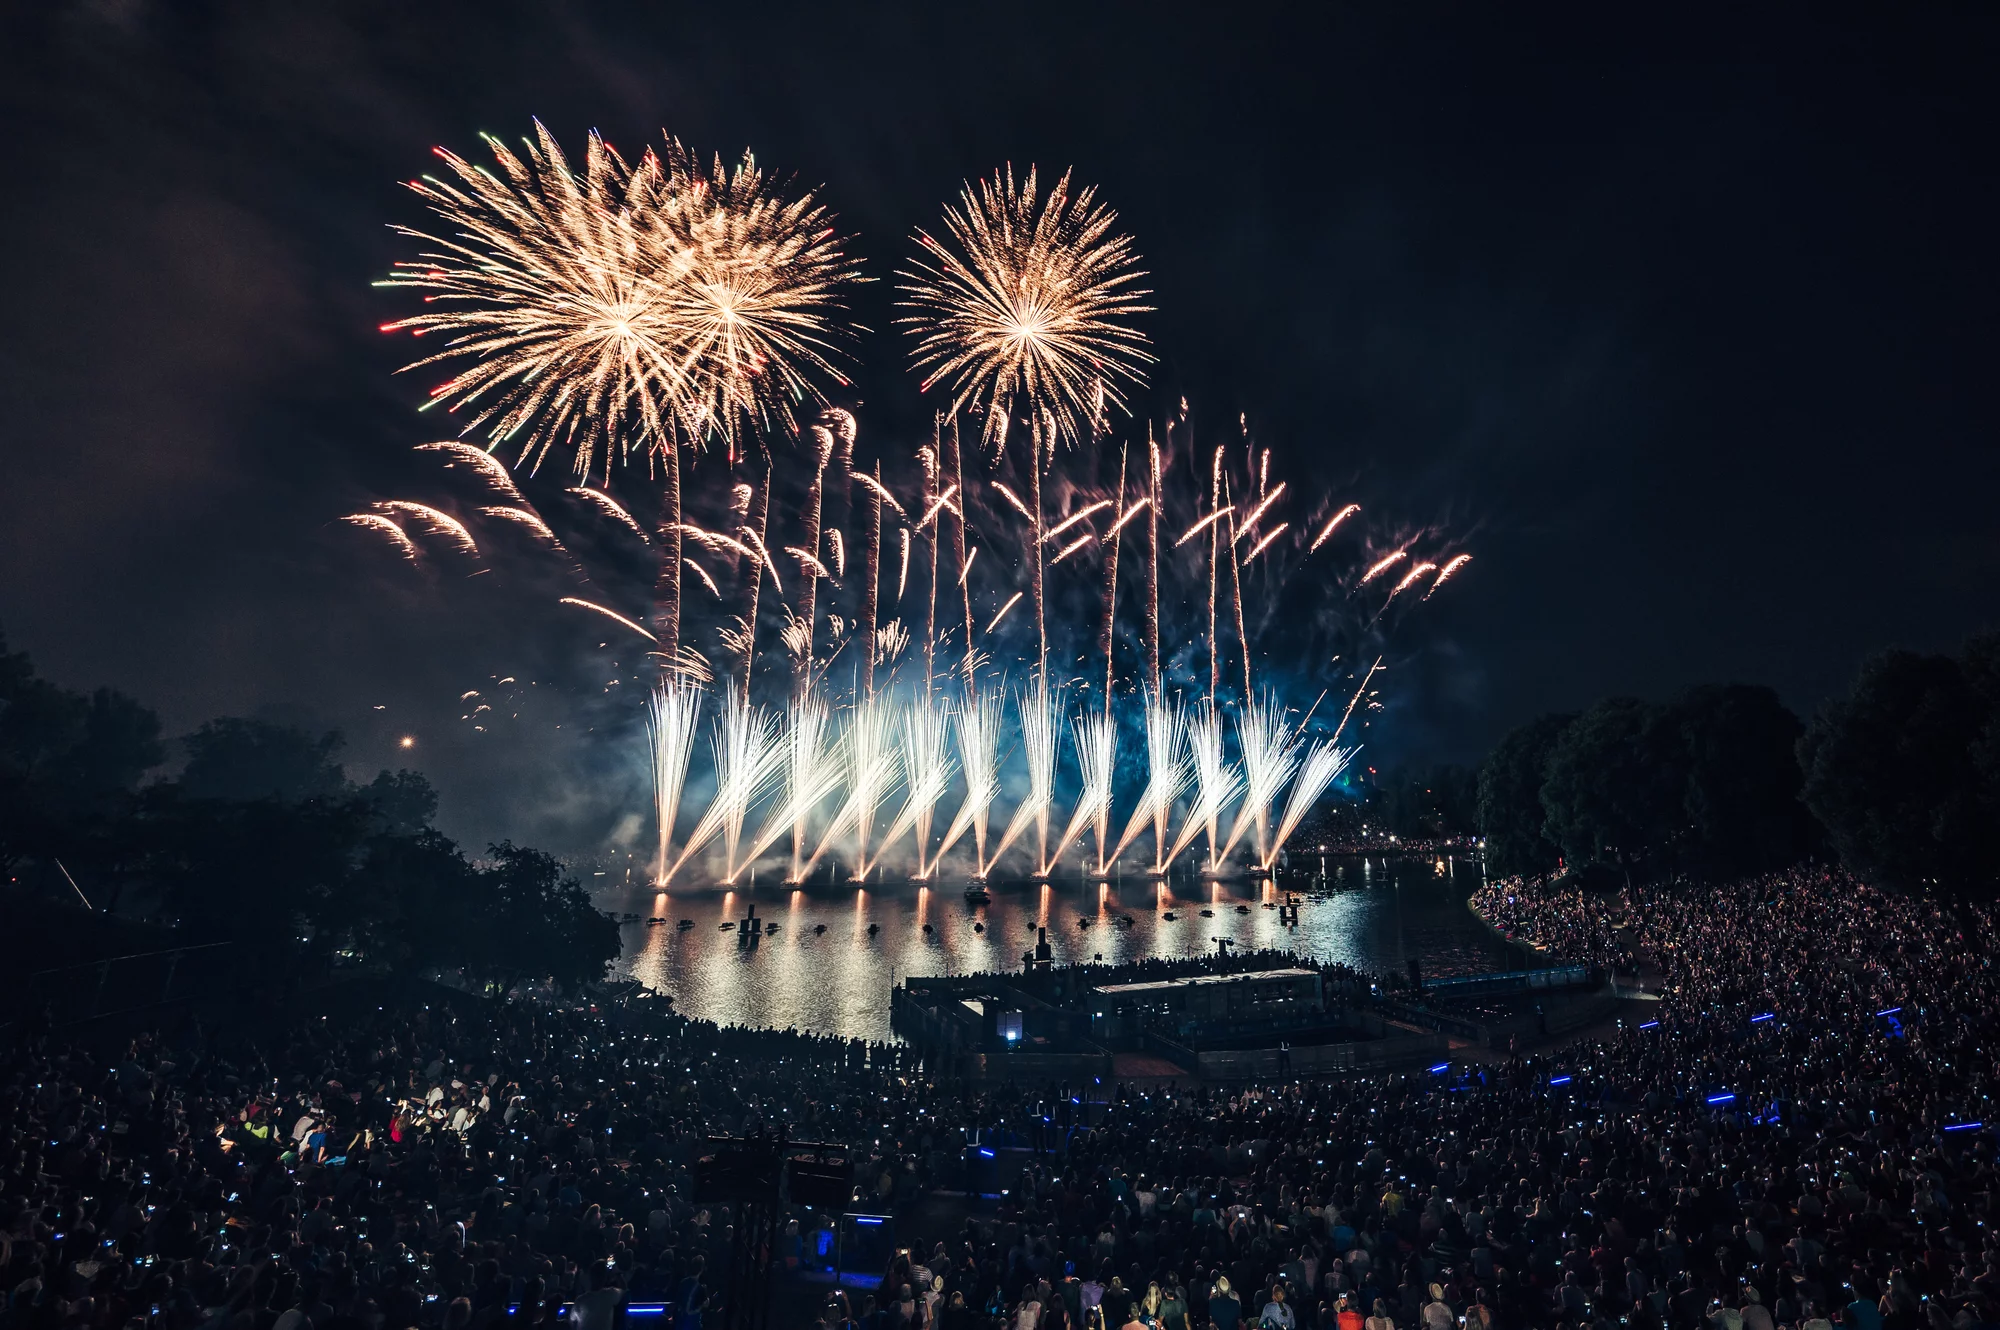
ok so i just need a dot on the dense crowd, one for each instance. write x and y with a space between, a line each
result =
1788 1141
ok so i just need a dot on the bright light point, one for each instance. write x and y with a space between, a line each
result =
407 741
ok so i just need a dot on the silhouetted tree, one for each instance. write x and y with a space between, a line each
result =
1510 812
237 759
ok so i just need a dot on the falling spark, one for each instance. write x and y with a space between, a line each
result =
764 556
977 723
892 639
1030 298
486 464
1014 499
839 548
1075 517
1383 564
1263 507
1011 602
1332 522
437 521
671 711
609 614
1455 563
706 580
1321 768
376 522
1072 548
807 562
966 571
522 517
611 508
1202 526
715 540
1265 543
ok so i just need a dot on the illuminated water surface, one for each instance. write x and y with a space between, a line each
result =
1374 914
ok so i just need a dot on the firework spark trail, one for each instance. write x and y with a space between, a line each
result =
1075 517
874 485
903 577
942 503
1236 598
1383 565
977 723
610 507
1012 601
490 468
753 527
706 580
1079 543
440 522
715 540
871 766
892 640
1013 499
1451 566
1214 560
1153 568
1270 752
1215 784
671 711
807 565
927 769
1027 297
1200 527
871 577
1040 711
1409 578
812 773
609 614
1332 522
1037 572
377 522
1339 729
837 546
1167 777
1127 516
823 442
1322 767
533 522
1107 641
1264 506
1265 543
1097 764
954 460
747 756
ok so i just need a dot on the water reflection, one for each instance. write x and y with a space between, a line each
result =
822 969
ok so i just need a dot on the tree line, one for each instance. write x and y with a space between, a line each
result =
262 840
1899 777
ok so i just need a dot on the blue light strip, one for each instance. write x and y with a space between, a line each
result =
1650 1025
1558 1080
1965 1126
1721 1098
1767 1016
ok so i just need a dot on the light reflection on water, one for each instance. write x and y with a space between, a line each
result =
1374 914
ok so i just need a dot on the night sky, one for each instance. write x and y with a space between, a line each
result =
1683 323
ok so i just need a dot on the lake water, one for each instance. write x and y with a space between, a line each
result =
1374 914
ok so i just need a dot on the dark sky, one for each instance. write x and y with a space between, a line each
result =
1678 321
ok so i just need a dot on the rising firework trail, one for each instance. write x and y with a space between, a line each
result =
1451 566
753 530
977 723
1332 523
1270 752
1040 711
1236 599
1383 565
1105 639
1167 778
1359 693
954 465
1153 568
871 576
822 452
1322 767
671 711
1215 784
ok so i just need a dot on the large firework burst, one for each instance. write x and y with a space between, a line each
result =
616 307
1027 299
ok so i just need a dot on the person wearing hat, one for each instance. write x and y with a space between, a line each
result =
1437 1313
